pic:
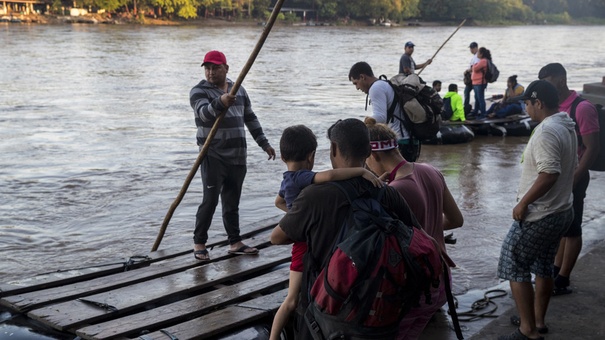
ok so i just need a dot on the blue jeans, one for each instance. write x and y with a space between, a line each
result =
479 109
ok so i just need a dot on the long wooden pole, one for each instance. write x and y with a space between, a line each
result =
445 42
218 120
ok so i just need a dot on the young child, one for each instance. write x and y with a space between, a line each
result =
455 101
297 147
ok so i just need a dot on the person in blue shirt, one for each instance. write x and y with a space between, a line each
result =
297 146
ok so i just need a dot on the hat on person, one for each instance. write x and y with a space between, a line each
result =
473 45
552 70
542 90
409 44
215 57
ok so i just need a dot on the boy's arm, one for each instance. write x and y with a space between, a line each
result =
346 173
280 202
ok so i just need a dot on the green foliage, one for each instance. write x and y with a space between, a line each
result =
559 18
185 9
481 11
259 7
111 5
290 18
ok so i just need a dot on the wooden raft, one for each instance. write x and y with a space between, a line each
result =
166 295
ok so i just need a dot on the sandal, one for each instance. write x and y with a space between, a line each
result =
517 335
201 255
244 250
515 320
561 291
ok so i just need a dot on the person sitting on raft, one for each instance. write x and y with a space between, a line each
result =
507 106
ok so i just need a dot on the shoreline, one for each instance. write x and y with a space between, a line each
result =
129 19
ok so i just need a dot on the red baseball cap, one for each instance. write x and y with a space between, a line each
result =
215 57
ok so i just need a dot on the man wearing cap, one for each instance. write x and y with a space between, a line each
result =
543 212
224 167
407 65
587 127
474 48
381 96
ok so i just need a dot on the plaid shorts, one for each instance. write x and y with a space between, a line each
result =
530 247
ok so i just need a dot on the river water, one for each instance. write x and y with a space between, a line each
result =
97 136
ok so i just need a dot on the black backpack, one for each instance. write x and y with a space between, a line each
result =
599 163
378 269
447 112
420 105
491 72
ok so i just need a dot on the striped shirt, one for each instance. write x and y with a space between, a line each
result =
229 143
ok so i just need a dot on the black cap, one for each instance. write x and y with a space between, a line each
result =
552 70
473 45
541 90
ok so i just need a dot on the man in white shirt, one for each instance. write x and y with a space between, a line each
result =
381 95
474 48
543 212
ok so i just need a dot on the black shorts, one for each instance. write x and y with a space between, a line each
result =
579 193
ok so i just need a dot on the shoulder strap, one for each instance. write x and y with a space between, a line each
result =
572 114
450 301
574 106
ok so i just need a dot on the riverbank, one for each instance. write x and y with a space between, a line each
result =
129 19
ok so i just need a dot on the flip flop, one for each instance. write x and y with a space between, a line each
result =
517 335
515 320
242 251
201 255
561 291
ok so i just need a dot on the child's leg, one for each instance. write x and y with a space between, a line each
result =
288 306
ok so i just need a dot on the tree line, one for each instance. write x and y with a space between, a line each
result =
483 11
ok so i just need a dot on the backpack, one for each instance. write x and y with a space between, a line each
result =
447 111
491 73
599 163
379 268
420 104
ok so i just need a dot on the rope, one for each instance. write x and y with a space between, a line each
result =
474 313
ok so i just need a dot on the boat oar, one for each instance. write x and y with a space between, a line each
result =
218 120
445 42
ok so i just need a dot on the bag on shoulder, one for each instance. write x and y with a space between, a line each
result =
491 73
420 103
467 78
447 112
599 163
379 268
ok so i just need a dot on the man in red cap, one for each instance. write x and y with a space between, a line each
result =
224 167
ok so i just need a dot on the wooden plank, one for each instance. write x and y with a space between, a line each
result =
164 316
225 320
64 277
32 300
161 290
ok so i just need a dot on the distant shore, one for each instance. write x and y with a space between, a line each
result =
129 19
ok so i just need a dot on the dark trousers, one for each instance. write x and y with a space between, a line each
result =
224 180
467 96
579 193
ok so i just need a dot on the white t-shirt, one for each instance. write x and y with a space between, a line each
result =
551 149
381 97
474 60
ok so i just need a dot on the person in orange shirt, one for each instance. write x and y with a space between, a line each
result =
479 82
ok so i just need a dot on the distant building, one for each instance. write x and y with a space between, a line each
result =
25 7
